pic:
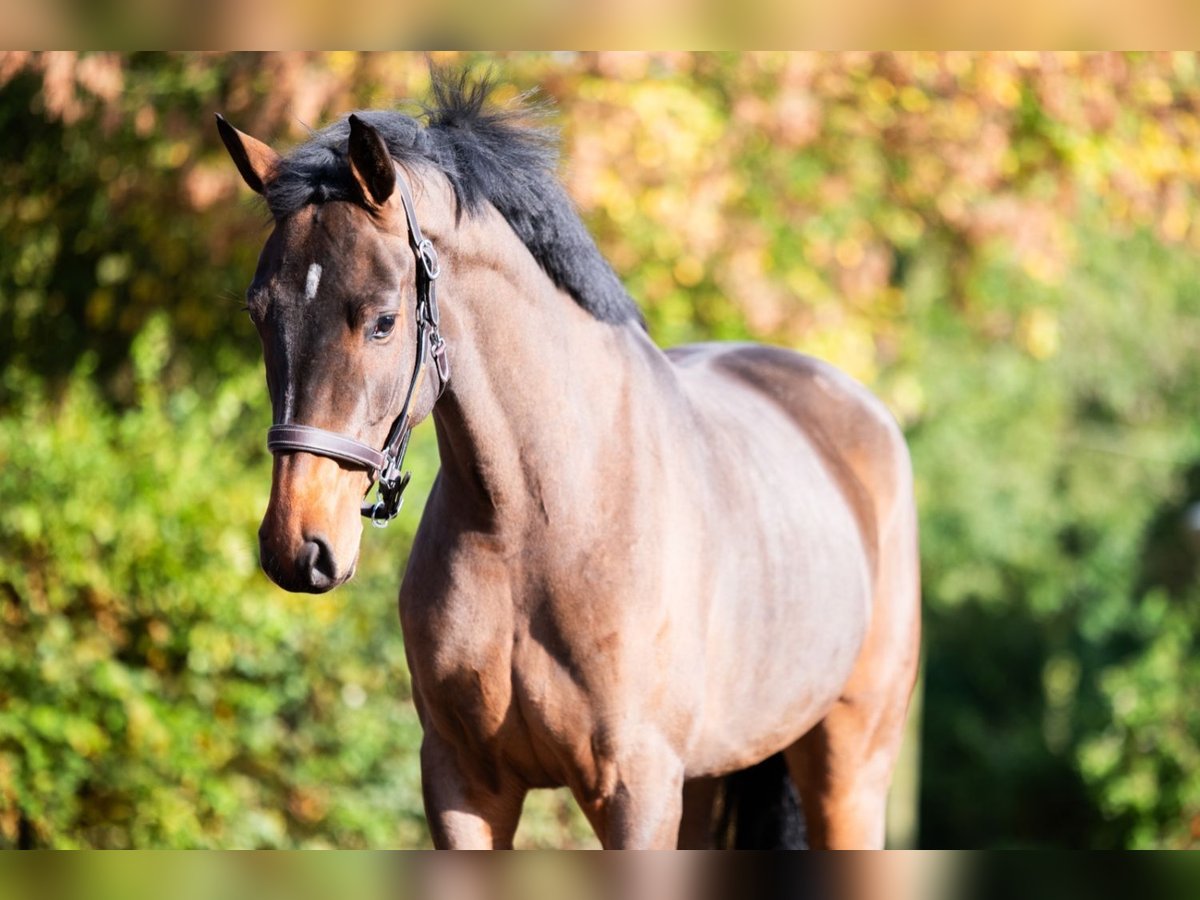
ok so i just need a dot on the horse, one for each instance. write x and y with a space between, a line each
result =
637 571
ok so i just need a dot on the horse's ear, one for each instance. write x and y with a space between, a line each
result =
370 163
254 159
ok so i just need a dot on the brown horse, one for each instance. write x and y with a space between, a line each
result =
637 570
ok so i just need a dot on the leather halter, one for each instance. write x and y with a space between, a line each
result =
384 465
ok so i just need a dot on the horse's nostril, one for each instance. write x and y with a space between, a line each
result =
316 560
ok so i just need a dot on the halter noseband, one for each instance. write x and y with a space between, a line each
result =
385 464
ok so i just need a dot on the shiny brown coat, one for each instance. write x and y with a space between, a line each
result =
636 569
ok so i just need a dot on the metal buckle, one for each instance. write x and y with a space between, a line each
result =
429 258
438 350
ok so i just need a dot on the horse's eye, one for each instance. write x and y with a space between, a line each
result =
383 326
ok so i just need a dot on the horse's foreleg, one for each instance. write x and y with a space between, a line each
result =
639 803
464 814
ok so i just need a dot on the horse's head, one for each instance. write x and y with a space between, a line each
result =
334 302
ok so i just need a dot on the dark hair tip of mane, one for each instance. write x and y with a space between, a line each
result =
497 155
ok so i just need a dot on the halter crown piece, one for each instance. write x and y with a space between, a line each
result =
385 465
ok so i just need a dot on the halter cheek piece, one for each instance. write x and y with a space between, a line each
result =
384 465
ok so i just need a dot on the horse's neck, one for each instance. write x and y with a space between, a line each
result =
537 386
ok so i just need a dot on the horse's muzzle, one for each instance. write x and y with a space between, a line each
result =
312 570
309 538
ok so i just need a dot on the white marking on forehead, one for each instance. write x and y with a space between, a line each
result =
313 280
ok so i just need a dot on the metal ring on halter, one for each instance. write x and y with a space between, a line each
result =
429 258
380 509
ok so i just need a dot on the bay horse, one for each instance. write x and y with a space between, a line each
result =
637 571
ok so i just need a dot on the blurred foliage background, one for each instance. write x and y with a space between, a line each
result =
1005 247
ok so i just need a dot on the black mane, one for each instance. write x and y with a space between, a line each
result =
488 156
